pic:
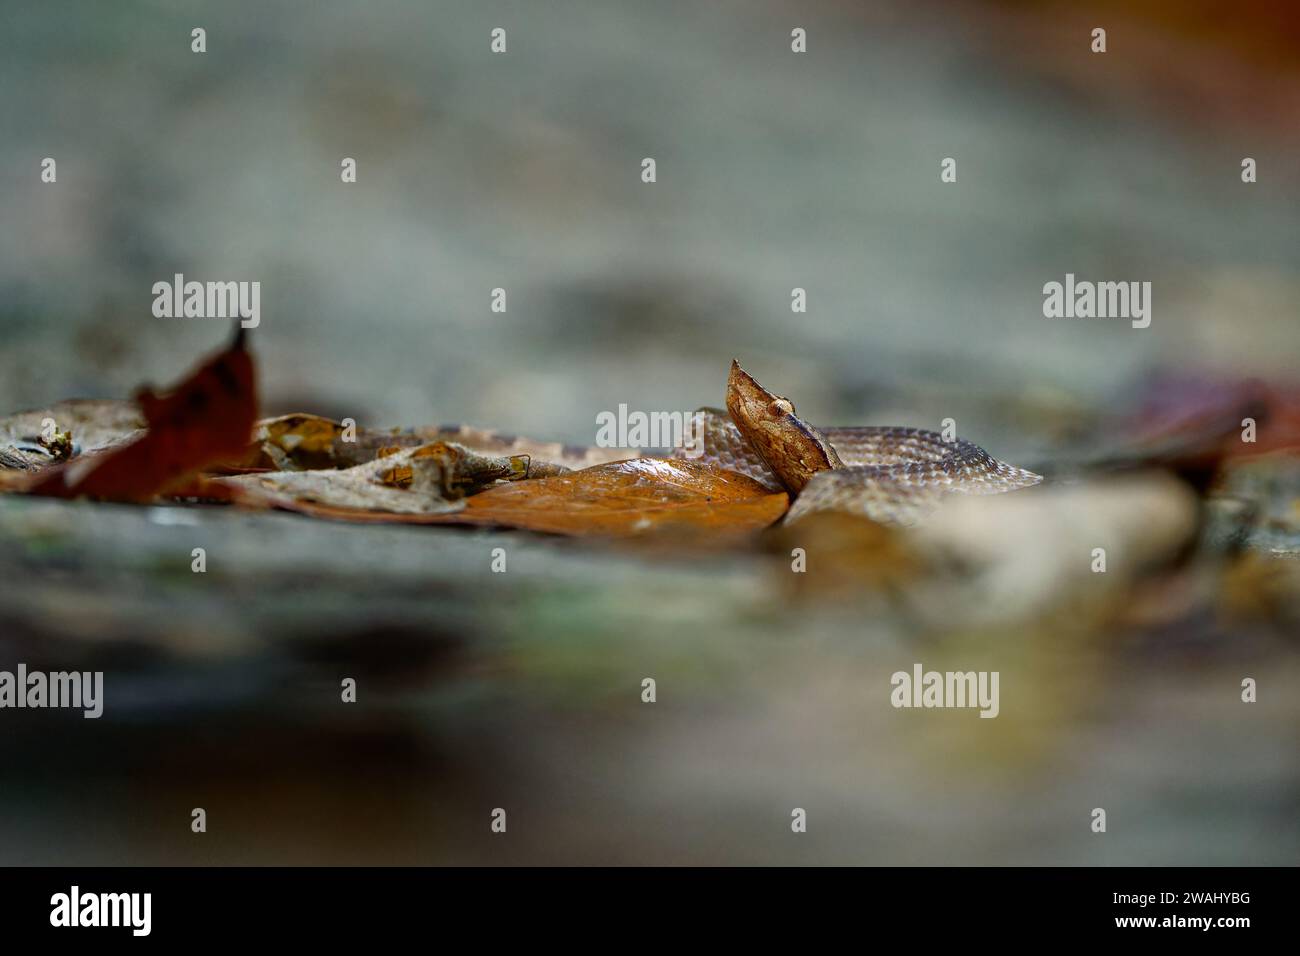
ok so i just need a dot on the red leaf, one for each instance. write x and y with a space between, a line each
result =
205 419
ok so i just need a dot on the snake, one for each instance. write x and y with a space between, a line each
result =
888 474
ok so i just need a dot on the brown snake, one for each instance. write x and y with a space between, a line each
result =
891 475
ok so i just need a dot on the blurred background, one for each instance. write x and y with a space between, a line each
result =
775 170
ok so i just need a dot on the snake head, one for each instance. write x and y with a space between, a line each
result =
792 448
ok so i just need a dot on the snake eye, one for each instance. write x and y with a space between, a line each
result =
780 408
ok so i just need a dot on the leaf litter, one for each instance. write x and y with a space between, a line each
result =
202 441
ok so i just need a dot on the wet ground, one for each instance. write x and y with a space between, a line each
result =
522 690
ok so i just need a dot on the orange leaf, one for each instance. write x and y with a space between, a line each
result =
627 498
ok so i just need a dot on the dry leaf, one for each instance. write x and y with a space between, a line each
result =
207 418
1195 425
94 425
628 498
410 484
423 485
301 442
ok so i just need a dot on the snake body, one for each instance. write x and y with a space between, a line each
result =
892 475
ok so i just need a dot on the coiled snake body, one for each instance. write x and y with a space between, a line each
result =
891 475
